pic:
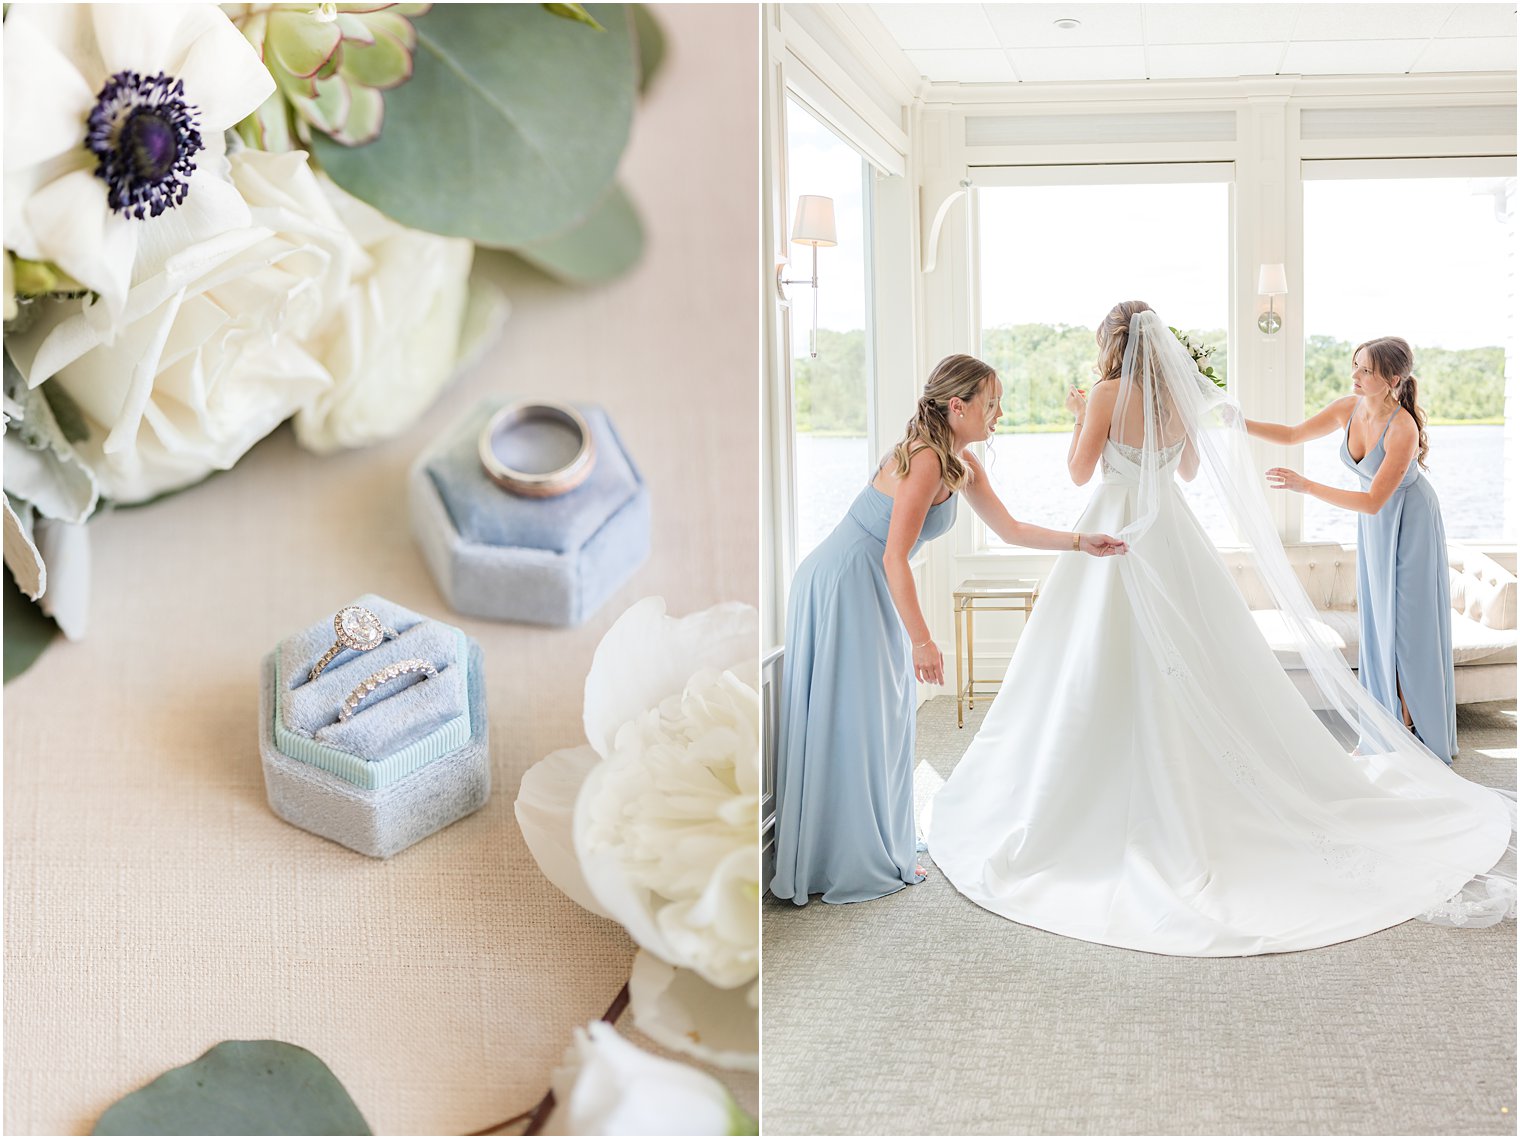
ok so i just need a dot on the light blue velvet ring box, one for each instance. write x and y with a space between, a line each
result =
545 561
413 757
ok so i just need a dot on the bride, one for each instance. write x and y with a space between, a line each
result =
1149 776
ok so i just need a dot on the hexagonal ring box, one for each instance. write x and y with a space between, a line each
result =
546 561
410 757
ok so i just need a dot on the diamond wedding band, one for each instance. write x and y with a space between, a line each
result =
537 484
356 628
390 672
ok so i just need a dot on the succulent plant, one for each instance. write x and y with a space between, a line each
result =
331 64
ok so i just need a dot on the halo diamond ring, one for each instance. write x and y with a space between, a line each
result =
356 628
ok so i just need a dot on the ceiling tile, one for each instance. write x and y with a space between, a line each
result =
1033 25
936 27
989 65
1479 20
1487 54
1218 23
1212 61
1351 57
1055 64
1369 21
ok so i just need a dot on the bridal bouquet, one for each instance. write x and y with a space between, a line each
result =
220 218
1200 354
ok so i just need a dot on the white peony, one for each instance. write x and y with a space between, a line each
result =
210 357
609 1086
114 153
656 823
395 340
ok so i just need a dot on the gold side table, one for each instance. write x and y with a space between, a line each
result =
984 595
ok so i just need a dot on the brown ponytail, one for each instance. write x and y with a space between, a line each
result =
1392 360
954 376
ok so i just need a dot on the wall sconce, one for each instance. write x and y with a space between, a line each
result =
1272 282
813 225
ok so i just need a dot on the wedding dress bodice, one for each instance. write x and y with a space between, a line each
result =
1128 470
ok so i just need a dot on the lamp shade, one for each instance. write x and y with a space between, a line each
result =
814 223
1273 281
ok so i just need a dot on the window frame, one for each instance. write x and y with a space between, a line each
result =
971 539
786 552
1406 169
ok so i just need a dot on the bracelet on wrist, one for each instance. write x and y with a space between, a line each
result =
1076 542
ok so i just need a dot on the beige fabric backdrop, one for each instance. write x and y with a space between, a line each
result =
154 905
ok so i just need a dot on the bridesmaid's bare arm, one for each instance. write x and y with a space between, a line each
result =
913 496
1316 426
1399 447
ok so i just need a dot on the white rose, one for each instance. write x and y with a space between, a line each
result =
608 1086
656 823
394 341
210 357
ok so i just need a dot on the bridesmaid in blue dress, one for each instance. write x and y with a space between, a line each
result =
857 643
1403 584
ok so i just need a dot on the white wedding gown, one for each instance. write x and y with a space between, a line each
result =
1149 776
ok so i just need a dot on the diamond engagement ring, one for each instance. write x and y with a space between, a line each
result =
390 672
537 449
356 628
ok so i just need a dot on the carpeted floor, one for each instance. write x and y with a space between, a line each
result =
920 1013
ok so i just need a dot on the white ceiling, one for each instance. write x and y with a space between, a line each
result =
1019 43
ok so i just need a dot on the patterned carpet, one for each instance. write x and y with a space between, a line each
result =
920 1013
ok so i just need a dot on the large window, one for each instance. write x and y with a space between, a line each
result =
1052 260
1431 260
831 392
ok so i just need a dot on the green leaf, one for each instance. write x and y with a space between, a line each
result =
576 12
651 44
509 131
27 630
240 1087
604 246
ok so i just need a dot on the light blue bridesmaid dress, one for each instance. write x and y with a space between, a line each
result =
1403 600
844 773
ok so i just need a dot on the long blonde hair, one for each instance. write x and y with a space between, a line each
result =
1391 358
1113 337
953 377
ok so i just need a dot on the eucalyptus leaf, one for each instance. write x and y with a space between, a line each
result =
27 630
605 245
651 44
510 129
576 12
240 1087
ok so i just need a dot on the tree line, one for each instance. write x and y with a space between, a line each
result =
1037 362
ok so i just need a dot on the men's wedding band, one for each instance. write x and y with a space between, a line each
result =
538 484
356 628
390 672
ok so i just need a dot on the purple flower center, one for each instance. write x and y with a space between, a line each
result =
144 135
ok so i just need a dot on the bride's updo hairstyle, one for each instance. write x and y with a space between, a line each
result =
1113 337
953 377
1392 361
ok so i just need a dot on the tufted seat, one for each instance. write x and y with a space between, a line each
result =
1483 601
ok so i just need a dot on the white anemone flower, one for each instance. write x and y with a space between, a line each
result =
114 150
656 823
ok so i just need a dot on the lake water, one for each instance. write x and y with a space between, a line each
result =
1029 473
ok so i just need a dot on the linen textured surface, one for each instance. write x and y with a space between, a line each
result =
153 903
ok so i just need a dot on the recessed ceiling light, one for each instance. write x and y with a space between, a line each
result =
1066 23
